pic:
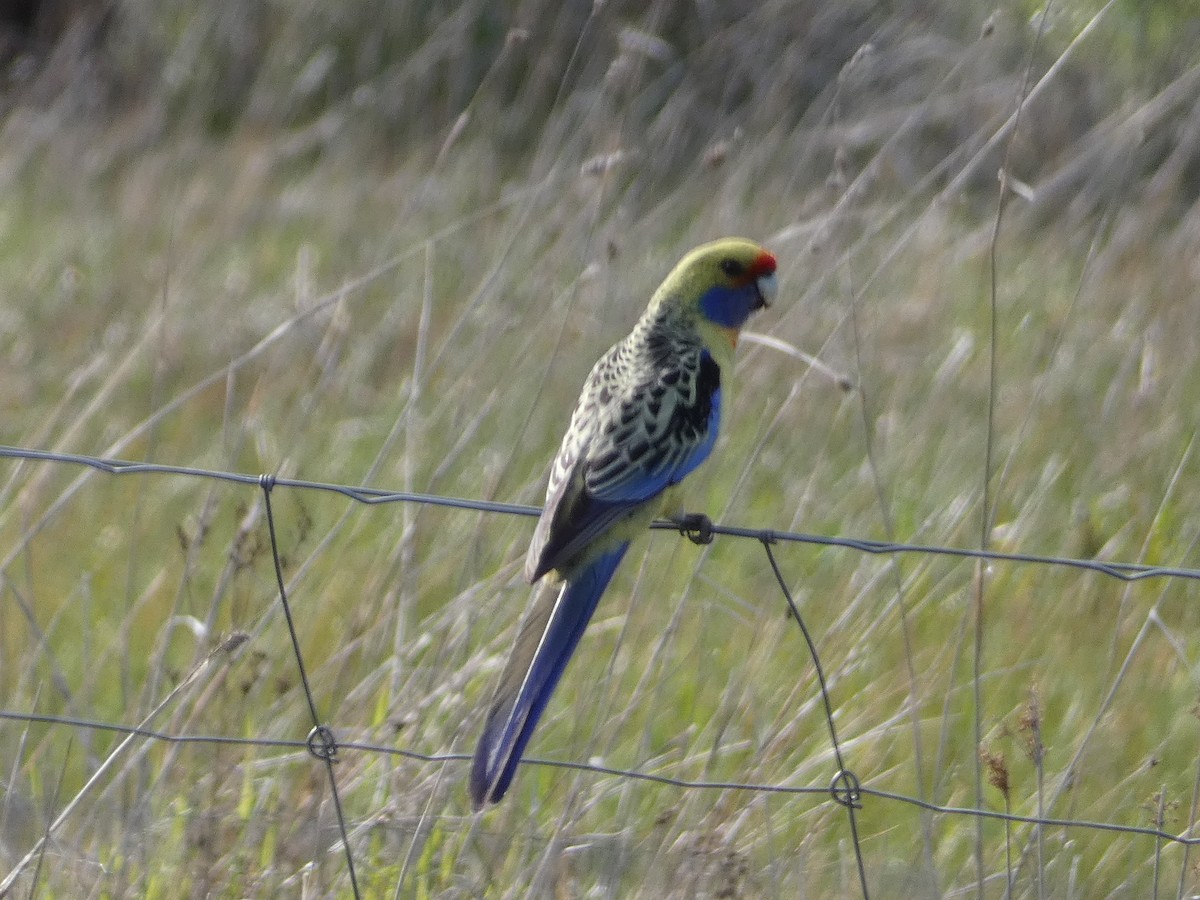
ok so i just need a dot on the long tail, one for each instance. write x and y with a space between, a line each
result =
545 643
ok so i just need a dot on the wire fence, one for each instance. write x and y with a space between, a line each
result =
846 788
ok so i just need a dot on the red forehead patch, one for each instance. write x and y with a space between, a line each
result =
764 264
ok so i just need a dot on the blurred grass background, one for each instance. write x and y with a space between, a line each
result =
384 246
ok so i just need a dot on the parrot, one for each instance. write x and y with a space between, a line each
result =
647 416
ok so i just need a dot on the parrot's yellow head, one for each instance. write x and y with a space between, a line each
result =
715 289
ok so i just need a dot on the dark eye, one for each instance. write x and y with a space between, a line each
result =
732 268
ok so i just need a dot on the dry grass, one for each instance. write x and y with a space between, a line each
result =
302 283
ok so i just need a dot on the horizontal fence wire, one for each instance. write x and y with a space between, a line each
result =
846 789
352 746
1125 571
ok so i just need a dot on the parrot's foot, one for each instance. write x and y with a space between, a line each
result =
696 527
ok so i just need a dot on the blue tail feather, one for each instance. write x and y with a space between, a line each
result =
547 639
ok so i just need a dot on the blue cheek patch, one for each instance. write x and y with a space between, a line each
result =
728 307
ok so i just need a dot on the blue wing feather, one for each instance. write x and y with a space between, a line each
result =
644 477
588 508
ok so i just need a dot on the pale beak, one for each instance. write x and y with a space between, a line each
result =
768 287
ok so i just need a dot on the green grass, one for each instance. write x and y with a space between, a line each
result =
253 296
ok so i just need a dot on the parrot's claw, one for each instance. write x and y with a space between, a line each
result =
696 527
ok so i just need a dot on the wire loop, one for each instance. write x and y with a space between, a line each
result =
322 744
846 789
